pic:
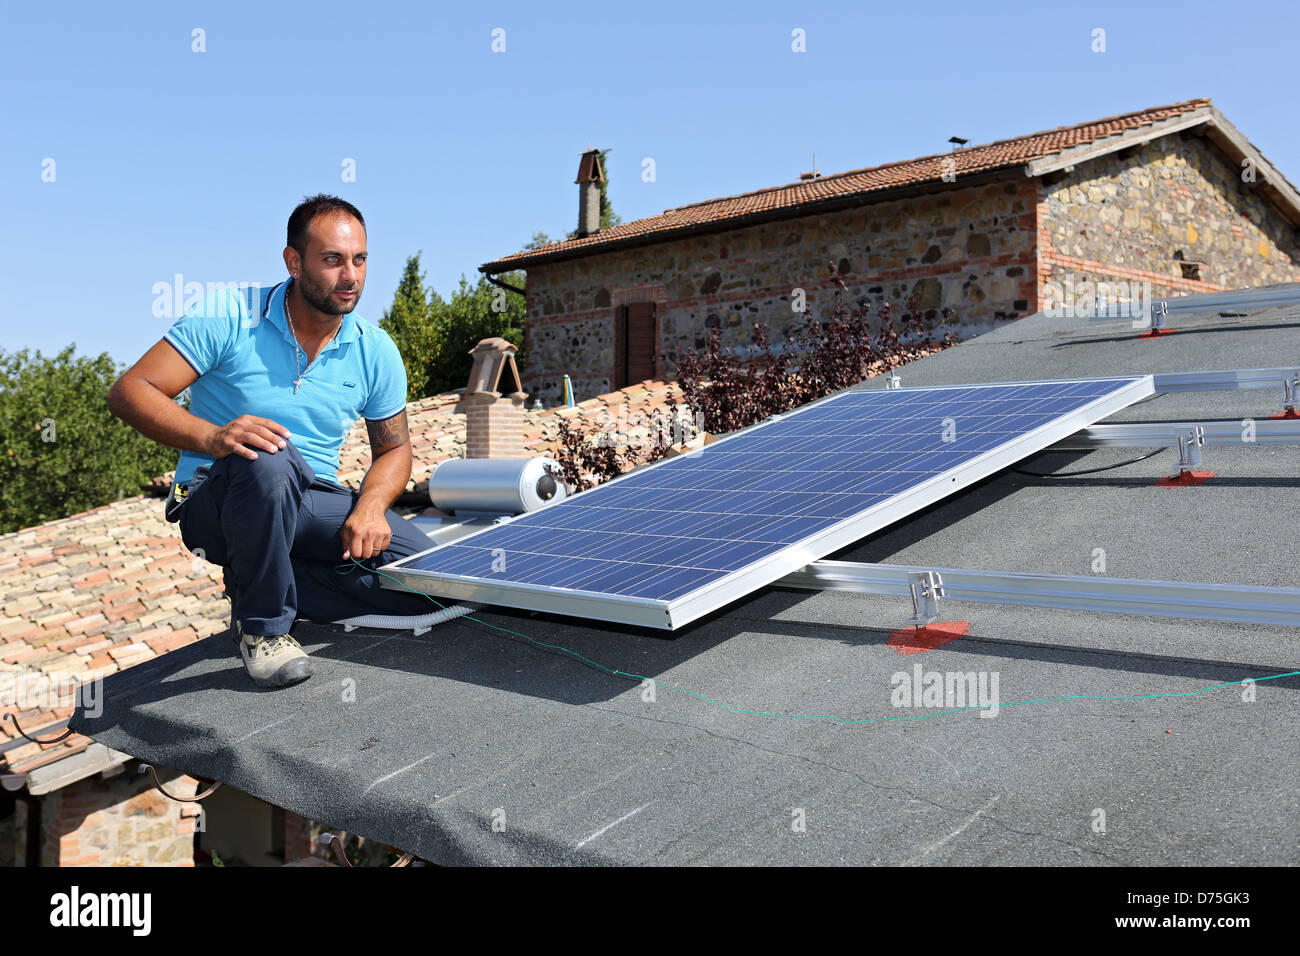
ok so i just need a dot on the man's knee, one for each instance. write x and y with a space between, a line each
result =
283 468
407 539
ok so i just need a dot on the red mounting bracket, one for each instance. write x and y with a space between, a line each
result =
1189 456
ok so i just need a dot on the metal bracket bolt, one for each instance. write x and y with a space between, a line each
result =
1291 393
1159 313
927 590
1189 449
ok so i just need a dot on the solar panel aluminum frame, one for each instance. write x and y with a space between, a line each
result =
670 615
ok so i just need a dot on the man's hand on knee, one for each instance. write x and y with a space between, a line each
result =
244 434
365 534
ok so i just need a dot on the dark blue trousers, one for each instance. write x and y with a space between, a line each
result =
276 526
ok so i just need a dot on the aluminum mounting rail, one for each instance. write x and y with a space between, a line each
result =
1166 434
1236 300
1227 380
927 586
1217 380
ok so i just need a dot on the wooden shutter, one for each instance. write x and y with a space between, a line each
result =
639 356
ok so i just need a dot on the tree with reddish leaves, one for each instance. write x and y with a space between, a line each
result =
728 391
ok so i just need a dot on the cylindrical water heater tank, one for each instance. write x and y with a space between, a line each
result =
500 485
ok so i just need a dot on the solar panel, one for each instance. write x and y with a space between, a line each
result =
671 541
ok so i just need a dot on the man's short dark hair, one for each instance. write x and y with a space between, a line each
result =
309 209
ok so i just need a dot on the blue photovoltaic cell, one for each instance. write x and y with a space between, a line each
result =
664 531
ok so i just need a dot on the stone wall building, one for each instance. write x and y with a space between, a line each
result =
1164 201
113 818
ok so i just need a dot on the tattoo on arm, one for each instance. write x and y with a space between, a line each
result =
387 434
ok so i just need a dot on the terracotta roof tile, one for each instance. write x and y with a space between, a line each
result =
1001 154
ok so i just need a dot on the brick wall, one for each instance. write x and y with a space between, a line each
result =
125 822
494 426
121 821
299 834
968 249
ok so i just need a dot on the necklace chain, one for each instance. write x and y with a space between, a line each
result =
297 369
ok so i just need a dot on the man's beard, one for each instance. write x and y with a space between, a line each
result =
319 298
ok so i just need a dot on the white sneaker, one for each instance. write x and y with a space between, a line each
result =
273 660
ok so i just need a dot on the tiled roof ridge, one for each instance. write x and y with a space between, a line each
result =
1185 106
792 199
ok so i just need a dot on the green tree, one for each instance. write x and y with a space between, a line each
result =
435 335
410 323
61 450
475 312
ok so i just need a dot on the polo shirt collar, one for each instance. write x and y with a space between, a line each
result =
351 330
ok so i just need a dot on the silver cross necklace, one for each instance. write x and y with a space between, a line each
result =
297 370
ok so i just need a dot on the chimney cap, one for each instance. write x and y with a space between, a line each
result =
494 344
589 168
492 357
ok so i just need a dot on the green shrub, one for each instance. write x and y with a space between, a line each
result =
61 450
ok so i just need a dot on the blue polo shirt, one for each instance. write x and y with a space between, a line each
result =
238 342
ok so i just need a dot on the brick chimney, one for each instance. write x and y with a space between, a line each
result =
589 179
494 426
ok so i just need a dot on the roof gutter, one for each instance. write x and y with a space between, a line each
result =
68 770
504 285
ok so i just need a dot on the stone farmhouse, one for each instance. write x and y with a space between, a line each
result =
1167 200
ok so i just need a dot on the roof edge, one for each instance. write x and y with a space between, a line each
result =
1193 112
811 208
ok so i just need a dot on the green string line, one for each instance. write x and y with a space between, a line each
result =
838 720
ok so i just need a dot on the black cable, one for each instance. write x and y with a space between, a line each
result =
1086 471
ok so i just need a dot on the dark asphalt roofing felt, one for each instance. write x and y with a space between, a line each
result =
471 745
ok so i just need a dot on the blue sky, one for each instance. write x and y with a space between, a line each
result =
169 161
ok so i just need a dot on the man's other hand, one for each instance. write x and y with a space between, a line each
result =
365 534
246 434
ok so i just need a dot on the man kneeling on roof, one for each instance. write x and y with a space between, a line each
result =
277 378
